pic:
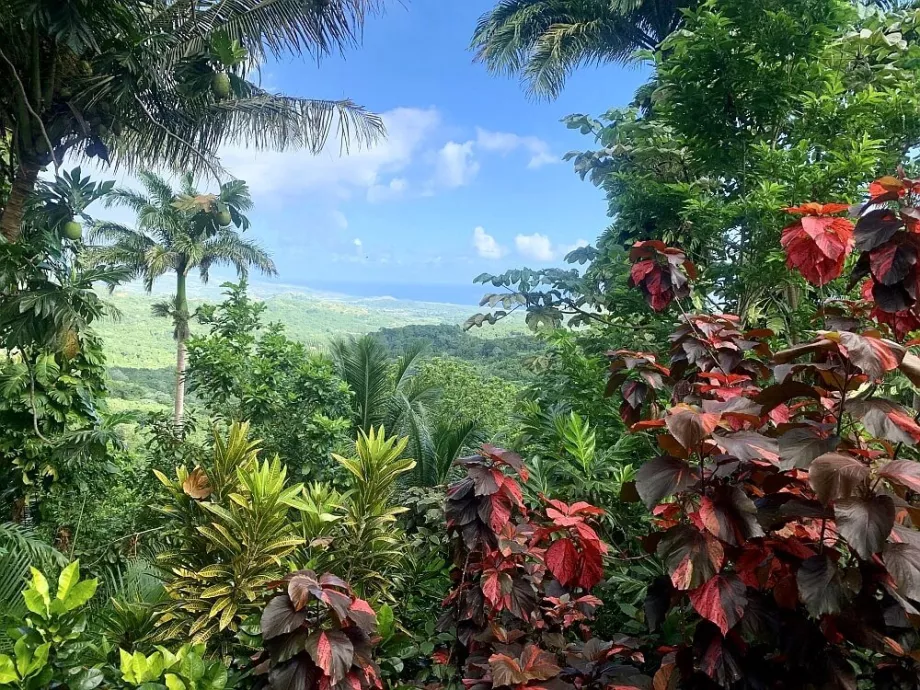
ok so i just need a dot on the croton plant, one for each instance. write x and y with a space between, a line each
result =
786 489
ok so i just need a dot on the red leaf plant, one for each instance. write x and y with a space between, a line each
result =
818 244
788 494
317 636
522 587
662 273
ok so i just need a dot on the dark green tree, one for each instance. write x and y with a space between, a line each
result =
244 371
147 82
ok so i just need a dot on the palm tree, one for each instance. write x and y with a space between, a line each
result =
544 40
385 393
161 82
179 231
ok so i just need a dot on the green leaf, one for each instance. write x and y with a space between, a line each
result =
386 622
80 594
69 576
173 682
87 679
40 585
192 667
7 670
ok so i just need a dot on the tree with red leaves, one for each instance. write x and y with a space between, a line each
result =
787 491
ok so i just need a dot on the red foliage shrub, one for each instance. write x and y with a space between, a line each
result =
522 584
317 636
661 273
786 501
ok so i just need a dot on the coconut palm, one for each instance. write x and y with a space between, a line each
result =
161 82
179 231
542 41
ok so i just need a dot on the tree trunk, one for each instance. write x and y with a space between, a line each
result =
179 413
181 335
20 191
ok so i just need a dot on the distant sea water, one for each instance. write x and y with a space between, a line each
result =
463 294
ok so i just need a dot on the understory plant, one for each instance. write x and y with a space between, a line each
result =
522 587
49 642
229 530
785 489
317 634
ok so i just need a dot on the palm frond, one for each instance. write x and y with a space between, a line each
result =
363 364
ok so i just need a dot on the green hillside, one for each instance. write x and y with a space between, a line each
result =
141 351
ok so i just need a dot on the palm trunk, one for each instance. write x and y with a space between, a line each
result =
20 191
181 331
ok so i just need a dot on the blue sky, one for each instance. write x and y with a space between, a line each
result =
468 180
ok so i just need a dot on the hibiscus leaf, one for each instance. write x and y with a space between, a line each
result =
692 557
834 475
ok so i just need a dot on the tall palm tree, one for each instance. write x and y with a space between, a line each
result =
385 393
147 83
543 41
179 231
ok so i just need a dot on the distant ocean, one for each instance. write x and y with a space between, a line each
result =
445 293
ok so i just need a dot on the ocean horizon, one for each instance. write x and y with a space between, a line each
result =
444 293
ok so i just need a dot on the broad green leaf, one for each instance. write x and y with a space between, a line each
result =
69 577
386 622
127 667
39 659
192 667
40 585
87 679
35 602
173 682
7 670
80 594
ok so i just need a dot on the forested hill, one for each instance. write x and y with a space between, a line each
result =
141 352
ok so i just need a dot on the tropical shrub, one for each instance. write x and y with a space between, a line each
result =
783 491
228 529
522 583
364 543
318 634
186 669
50 640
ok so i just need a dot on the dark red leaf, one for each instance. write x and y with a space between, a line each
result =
835 475
749 445
892 262
662 477
691 427
886 420
798 447
721 600
865 523
280 617
332 651
777 394
657 602
692 557
875 228
903 472
363 615
903 564
730 515
870 354
820 586
591 567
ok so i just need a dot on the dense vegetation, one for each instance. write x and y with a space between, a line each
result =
701 471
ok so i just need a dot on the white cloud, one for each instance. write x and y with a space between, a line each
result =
506 142
566 248
486 245
340 220
536 246
291 173
455 165
394 189
357 242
